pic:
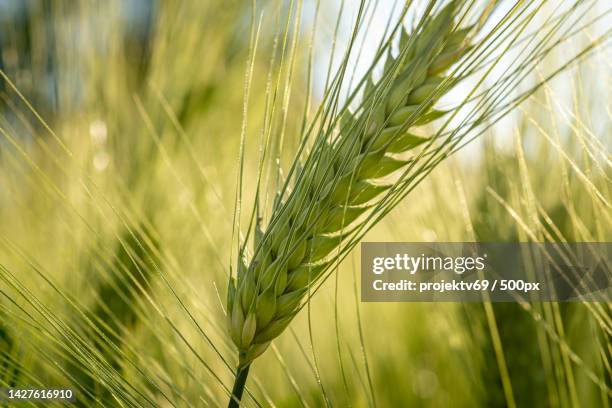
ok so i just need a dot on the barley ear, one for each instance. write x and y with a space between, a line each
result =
340 182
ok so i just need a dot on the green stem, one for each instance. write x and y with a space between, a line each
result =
241 376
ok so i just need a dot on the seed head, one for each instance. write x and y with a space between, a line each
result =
340 183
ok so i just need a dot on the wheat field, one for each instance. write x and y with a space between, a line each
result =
184 186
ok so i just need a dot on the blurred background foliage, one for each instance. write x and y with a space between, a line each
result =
121 124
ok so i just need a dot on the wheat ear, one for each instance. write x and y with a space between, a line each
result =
339 184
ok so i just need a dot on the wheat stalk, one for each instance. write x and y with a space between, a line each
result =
337 185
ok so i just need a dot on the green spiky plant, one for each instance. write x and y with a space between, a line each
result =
340 184
112 271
